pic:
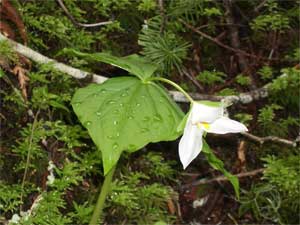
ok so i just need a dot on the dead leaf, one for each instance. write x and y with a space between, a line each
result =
6 30
4 63
24 61
8 12
23 79
241 157
171 207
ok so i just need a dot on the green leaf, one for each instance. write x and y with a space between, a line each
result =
160 223
219 165
1 73
211 77
125 114
58 105
243 80
210 103
134 64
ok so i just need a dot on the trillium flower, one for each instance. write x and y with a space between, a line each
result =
202 118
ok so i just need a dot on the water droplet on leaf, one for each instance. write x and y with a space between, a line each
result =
115 146
131 147
146 118
157 118
144 130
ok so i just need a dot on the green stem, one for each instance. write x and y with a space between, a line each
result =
33 126
175 86
102 196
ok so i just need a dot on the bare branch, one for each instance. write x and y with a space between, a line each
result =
163 15
191 78
62 5
238 51
262 140
262 4
216 40
223 178
235 42
243 98
220 25
234 34
39 58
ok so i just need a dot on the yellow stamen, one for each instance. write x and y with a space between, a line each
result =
203 124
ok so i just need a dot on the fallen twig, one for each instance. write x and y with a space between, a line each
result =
243 98
262 140
39 58
223 178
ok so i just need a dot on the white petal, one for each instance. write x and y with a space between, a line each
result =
205 113
225 125
190 144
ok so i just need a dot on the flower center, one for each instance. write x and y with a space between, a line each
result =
204 125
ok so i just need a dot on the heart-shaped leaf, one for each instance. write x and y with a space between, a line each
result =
134 64
125 114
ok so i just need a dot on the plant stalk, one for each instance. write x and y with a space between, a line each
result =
175 86
35 121
102 196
